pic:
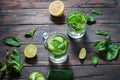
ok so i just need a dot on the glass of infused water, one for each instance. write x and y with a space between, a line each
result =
57 46
76 22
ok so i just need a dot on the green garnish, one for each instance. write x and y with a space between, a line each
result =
99 32
14 63
90 20
30 33
97 12
12 41
105 46
95 59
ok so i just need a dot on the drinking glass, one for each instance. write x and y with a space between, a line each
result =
76 22
57 46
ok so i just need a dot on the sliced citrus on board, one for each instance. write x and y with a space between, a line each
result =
30 51
82 54
56 8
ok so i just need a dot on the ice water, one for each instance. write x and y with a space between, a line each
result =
76 22
57 46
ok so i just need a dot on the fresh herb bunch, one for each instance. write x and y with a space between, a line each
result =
105 48
14 63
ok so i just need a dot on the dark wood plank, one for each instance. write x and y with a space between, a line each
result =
102 72
42 16
30 4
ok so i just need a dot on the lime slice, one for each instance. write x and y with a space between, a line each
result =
60 39
50 44
30 51
36 76
82 54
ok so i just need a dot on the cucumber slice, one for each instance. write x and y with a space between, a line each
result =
36 76
40 78
32 75
57 74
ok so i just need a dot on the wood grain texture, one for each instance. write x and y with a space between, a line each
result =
19 16
103 72
42 16
33 4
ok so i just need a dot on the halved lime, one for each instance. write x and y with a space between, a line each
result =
30 51
82 53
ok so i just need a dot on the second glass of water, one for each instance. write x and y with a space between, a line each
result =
76 22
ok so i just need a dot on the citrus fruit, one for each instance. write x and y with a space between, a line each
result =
82 53
56 8
30 51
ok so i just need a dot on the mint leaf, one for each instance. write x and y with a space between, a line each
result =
30 33
90 19
12 41
97 12
101 32
112 52
95 59
101 45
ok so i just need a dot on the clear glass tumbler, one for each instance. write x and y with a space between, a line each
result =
57 46
76 22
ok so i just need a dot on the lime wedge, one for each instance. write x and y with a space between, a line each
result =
82 54
60 39
30 51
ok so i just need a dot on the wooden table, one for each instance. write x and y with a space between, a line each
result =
18 16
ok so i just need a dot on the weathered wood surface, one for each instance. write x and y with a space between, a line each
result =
42 16
28 4
19 16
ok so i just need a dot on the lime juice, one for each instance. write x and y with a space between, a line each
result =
76 22
57 46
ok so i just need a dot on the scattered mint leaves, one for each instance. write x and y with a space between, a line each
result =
105 46
12 41
14 63
97 12
30 33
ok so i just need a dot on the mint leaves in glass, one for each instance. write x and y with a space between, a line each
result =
76 22
57 46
